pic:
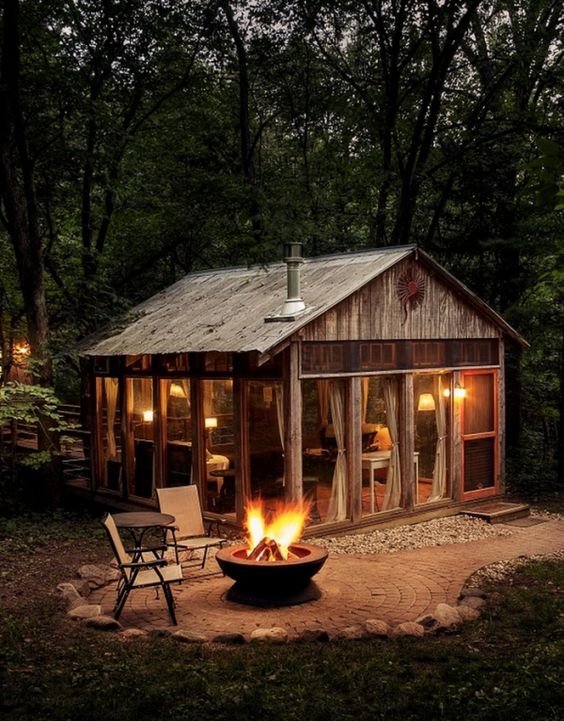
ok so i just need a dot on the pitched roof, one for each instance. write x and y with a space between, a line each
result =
225 309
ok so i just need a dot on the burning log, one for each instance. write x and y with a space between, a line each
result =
266 550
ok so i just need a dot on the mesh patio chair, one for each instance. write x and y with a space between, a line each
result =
155 573
188 532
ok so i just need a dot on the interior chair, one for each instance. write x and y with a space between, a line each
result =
188 532
157 572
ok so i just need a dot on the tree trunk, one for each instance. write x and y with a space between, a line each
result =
560 447
247 146
18 195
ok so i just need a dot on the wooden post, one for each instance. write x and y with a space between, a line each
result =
407 441
353 425
242 479
88 419
292 423
97 472
456 445
126 438
198 451
501 415
158 430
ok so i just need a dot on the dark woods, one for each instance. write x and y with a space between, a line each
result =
143 140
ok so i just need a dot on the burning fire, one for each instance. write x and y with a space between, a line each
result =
269 540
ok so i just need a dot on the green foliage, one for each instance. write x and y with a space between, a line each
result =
549 171
31 404
20 469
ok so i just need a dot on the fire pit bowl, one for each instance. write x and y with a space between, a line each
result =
272 583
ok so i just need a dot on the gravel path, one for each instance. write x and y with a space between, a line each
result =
437 532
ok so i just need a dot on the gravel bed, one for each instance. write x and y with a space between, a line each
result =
549 515
503 570
437 532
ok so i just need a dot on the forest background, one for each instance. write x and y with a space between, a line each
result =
143 139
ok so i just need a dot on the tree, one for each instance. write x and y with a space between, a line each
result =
18 193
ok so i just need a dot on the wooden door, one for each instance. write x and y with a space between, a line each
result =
480 447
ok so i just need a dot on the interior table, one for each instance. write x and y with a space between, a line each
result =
381 459
138 523
225 489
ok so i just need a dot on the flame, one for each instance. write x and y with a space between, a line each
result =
285 526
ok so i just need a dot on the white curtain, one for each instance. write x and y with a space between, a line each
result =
392 497
338 503
185 382
438 489
111 386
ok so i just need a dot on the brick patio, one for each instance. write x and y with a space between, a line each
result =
395 588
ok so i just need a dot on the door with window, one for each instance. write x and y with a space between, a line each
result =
480 461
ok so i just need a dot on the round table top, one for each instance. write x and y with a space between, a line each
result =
224 473
142 519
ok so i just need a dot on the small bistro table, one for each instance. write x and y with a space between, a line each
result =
138 523
374 460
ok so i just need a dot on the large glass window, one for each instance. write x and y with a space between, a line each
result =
325 482
265 419
109 418
140 413
381 474
178 431
217 397
432 430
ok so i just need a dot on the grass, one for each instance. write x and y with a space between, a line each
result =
506 666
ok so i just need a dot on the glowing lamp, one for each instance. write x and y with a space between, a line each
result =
459 392
177 391
426 402
148 416
210 423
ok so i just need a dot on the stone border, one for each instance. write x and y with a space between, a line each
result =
444 619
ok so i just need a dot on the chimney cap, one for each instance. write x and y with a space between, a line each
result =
293 250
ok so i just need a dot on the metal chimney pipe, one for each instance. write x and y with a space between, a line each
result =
294 303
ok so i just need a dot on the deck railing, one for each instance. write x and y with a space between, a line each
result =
75 447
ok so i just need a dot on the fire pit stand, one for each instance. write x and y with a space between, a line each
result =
272 583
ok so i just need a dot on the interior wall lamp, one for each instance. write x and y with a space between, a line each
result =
210 423
148 416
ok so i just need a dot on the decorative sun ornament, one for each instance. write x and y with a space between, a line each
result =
411 290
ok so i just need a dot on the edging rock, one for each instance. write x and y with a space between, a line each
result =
444 618
184 635
409 628
85 611
103 623
70 595
375 628
231 639
275 635
97 576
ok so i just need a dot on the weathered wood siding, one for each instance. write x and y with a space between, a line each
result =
376 311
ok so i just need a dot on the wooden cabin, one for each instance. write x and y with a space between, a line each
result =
370 383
